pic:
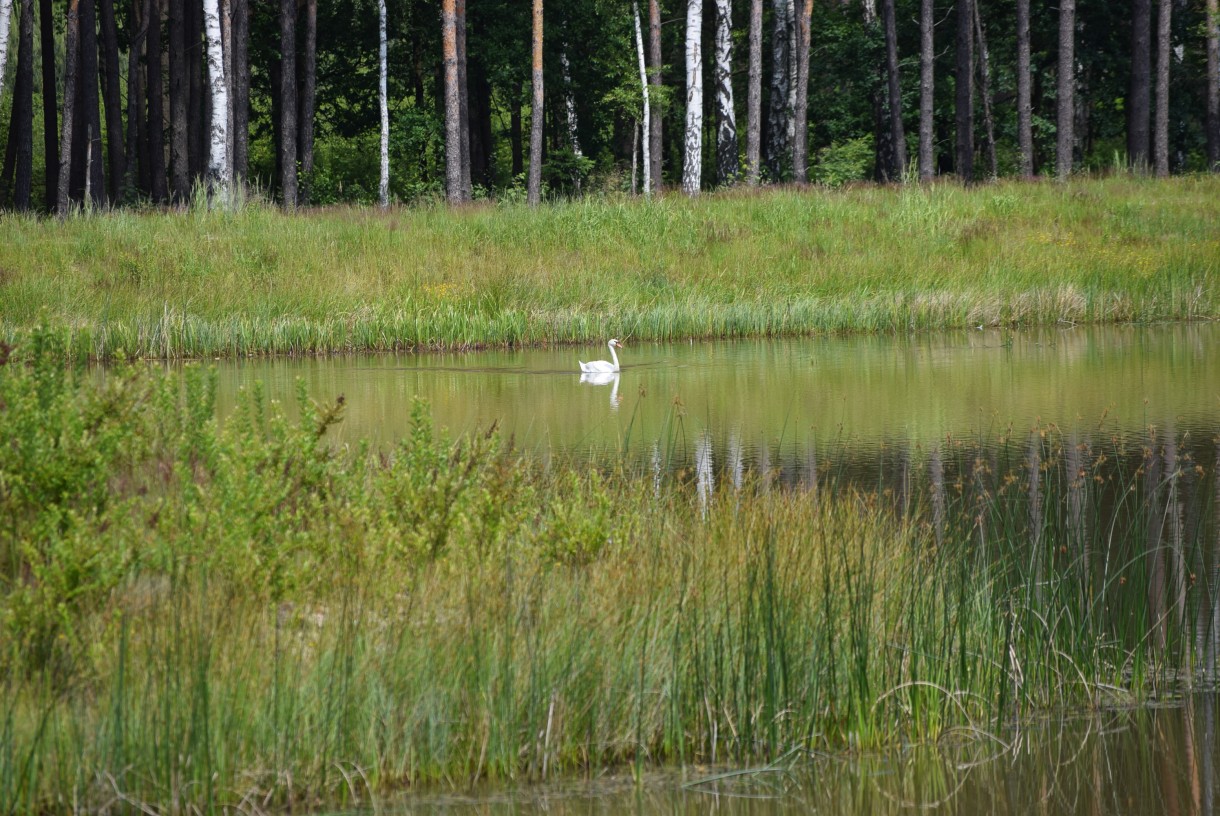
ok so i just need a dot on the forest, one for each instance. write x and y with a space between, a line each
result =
107 103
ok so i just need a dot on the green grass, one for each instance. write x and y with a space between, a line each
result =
784 262
195 615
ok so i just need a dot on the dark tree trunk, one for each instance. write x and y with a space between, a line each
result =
800 111
288 103
479 110
515 137
1213 85
159 185
19 154
50 118
654 96
1164 55
463 99
1139 109
91 105
984 61
1065 119
179 164
1025 132
534 190
71 49
754 96
779 115
927 158
309 84
964 99
199 103
453 104
897 135
241 90
275 75
135 170
112 96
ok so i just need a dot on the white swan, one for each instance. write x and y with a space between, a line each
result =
601 366
609 378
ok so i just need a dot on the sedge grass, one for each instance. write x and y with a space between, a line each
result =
785 262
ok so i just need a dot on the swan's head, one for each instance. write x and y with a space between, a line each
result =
615 344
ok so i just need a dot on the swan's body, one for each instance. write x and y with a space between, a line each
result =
601 366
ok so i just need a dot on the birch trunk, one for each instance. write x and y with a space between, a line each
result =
453 125
647 158
897 135
65 155
1025 131
534 194
927 156
984 60
1066 82
754 95
964 92
219 173
569 108
779 115
726 119
1213 85
655 132
383 187
799 127
692 154
1164 53
6 16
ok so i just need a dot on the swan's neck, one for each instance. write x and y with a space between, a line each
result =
613 356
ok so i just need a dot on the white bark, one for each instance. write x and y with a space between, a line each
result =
692 160
383 189
726 119
220 170
569 105
6 15
639 49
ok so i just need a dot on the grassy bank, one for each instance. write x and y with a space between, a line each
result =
203 616
780 262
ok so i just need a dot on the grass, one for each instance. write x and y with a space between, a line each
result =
787 262
201 617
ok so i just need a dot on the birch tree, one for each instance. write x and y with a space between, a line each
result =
1213 85
726 120
534 191
1025 133
647 129
1066 86
754 95
1164 53
6 16
383 187
692 155
927 158
219 175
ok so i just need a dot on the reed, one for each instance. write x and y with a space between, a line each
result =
784 262
196 616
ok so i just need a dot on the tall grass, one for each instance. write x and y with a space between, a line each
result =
786 262
203 617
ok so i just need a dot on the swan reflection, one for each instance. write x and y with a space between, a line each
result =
604 378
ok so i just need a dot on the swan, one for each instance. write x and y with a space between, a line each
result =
601 366
609 378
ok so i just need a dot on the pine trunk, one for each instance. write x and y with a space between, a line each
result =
179 166
90 103
383 186
1066 86
219 173
1139 111
197 116
112 96
927 155
897 134
21 122
141 11
1213 85
156 109
1164 55
1025 132
463 84
288 103
71 49
647 158
534 192
726 118
754 96
800 107
309 86
654 78
779 115
241 90
50 118
964 97
692 153
984 61
453 121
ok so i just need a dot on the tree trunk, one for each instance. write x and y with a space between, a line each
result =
800 108
6 16
927 155
1139 111
726 118
1164 54
647 158
569 106
1025 132
71 48
179 166
91 105
197 116
50 119
383 186
964 101
463 100
1213 85
309 86
779 114
1066 87
219 175
112 96
21 120
241 90
984 60
692 154
754 96
516 137
288 103
534 193
654 78
137 32
897 135
454 189
156 111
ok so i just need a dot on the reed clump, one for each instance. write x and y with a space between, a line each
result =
200 616
789 262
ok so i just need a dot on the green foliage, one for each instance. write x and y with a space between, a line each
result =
842 163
